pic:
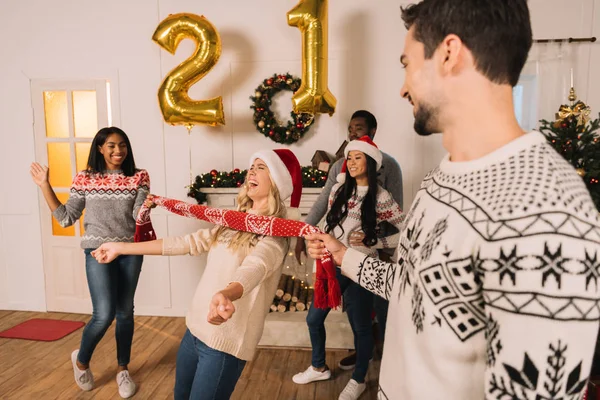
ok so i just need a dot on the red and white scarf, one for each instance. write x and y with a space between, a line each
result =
327 288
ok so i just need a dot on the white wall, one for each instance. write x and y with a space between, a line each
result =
111 40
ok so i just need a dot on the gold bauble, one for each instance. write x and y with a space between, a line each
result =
572 95
257 94
289 81
261 124
581 172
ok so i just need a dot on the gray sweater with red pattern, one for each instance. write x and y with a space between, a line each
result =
111 201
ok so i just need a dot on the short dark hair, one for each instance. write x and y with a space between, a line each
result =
369 118
96 163
498 32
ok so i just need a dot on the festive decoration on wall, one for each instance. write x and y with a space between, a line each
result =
577 140
311 178
176 105
311 17
265 120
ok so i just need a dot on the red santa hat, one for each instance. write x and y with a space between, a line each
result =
286 172
364 145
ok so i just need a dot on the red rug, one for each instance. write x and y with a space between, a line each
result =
46 330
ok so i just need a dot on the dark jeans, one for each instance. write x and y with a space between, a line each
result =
381 310
359 303
112 287
204 373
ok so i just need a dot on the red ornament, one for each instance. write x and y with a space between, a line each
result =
236 171
239 184
563 125
299 125
323 178
271 132
214 172
269 82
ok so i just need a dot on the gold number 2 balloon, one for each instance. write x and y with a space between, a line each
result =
313 96
176 105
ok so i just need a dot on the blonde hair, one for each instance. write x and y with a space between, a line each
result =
246 240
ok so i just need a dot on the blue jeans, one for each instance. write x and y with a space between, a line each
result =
204 373
112 287
359 303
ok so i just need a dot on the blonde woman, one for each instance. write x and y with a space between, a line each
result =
237 286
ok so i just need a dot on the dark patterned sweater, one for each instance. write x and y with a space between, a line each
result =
495 293
111 202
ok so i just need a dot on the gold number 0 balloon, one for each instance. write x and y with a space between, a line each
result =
313 96
173 98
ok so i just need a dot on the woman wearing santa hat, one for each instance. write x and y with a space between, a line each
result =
241 276
357 204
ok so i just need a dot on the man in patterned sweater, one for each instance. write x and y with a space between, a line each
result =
495 292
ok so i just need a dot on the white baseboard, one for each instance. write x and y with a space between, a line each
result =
21 306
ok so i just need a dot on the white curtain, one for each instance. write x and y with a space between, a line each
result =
545 82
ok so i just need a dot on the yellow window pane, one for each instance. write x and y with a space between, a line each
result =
56 114
58 230
85 116
82 152
59 162
81 222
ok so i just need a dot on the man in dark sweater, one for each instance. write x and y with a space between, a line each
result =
390 178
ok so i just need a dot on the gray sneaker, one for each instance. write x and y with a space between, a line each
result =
126 385
84 379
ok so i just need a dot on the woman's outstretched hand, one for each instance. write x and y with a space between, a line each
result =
107 252
149 202
39 173
221 309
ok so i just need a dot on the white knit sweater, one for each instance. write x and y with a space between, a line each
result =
496 291
258 271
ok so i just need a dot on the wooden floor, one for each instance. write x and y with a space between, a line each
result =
42 370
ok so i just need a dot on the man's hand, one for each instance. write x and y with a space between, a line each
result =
221 309
318 242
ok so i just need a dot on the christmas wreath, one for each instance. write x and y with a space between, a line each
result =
311 178
265 120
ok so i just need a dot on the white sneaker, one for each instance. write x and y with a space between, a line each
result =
126 385
84 379
352 391
311 375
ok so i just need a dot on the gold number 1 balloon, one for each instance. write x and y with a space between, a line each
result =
176 105
313 96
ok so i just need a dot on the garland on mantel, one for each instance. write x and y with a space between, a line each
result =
311 178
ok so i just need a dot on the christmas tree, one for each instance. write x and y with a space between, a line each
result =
575 137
